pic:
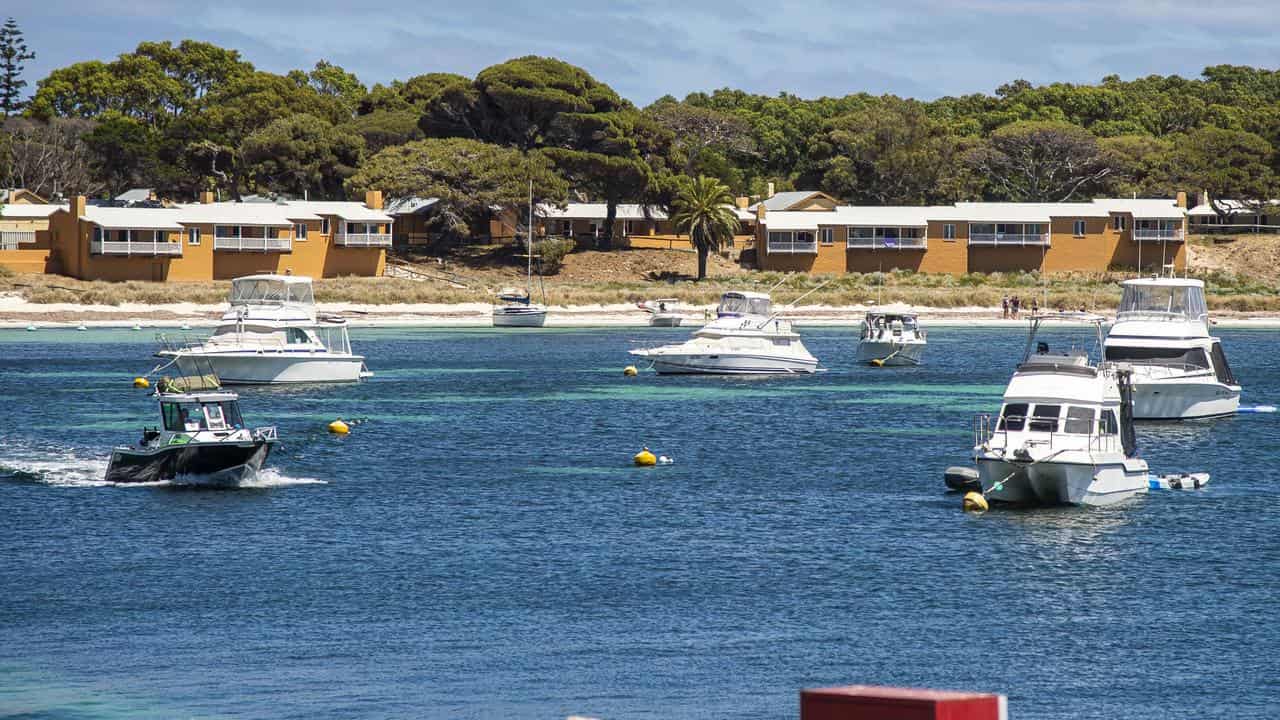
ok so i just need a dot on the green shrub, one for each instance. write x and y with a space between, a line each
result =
551 252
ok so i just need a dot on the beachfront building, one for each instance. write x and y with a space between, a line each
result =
25 240
1237 216
220 240
634 225
824 237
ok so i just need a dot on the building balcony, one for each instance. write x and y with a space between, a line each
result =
1009 240
11 239
887 244
796 247
135 247
1158 236
252 244
363 239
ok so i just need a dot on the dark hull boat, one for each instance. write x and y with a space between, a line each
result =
220 462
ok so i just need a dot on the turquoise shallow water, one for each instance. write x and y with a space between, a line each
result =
480 546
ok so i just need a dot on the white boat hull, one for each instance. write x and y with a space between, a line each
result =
519 317
893 353
282 367
1054 483
1183 399
658 320
703 364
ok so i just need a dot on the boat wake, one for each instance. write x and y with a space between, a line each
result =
66 469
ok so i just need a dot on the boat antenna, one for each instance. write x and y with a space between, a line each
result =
793 302
528 237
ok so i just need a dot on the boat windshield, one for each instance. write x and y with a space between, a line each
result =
264 291
733 304
1162 302
335 338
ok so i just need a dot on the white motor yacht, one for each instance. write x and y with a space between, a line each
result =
272 334
746 338
662 312
1179 370
1065 431
891 337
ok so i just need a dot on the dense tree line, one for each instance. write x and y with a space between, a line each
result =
193 116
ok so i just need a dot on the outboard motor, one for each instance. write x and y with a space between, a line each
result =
1128 438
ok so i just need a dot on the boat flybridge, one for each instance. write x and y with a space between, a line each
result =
201 437
1179 370
662 312
746 338
1065 431
891 336
273 334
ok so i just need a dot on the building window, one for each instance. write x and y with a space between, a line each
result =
300 231
566 228
1117 223
193 236
324 226
828 236
949 231
1077 228
97 233
226 231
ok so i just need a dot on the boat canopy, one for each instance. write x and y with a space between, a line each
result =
195 413
272 290
1163 299
733 304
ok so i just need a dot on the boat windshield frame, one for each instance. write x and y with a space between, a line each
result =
733 304
1161 302
1084 318
258 290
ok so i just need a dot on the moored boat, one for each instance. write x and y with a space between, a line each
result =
1065 430
662 312
891 337
1179 371
746 338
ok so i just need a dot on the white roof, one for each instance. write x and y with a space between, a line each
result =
797 220
352 211
1233 207
887 216
1143 207
783 200
408 205
598 211
28 211
1165 282
135 195
126 218
233 213
744 214
287 279
1025 212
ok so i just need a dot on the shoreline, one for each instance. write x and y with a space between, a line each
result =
16 313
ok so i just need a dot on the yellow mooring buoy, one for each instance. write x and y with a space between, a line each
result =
975 502
337 427
644 458
630 371
141 382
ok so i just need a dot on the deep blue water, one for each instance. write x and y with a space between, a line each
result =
481 547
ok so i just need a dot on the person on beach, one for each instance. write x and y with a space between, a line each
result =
1035 306
1004 307
1013 306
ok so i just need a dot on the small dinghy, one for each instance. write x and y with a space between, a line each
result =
202 435
1179 481
962 479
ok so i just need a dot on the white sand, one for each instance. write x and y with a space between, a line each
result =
16 312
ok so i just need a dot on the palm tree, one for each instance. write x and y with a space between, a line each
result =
704 209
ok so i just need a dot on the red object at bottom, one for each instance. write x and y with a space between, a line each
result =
871 702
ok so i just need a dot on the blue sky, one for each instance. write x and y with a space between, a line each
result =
913 48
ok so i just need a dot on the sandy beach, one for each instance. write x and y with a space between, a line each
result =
15 312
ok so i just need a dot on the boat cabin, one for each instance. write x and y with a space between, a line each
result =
878 324
200 412
740 304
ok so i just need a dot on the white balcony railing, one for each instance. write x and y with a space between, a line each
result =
792 246
252 244
363 239
134 247
887 244
1008 239
11 239
1157 235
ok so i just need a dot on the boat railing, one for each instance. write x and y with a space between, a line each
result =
265 433
986 428
176 343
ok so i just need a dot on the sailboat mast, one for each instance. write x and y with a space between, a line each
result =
528 276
